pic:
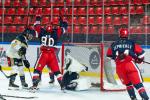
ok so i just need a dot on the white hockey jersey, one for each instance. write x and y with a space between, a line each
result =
15 45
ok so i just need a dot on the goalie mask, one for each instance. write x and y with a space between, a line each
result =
123 33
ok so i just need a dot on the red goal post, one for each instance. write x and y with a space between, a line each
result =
93 55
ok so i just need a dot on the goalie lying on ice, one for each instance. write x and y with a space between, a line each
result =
71 78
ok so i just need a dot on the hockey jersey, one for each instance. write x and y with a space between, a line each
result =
16 44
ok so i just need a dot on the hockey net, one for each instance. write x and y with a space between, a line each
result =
101 70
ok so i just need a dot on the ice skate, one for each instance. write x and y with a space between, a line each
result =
1 97
24 85
33 89
51 81
13 86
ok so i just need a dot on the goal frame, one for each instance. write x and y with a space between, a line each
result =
101 52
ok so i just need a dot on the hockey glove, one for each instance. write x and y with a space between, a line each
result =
22 51
26 63
139 60
121 56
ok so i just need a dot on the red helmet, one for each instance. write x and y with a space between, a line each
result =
49 28
123 33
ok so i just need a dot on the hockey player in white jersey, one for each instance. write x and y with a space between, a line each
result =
71 78
16 57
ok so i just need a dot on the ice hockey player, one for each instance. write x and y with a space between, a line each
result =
16 57
126 54
71 78
49 37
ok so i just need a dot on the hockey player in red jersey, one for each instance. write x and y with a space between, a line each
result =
126 54
49 37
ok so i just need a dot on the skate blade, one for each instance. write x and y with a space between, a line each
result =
13 88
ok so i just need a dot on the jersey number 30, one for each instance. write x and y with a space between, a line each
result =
47 41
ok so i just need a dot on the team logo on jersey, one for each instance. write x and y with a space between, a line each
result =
94 60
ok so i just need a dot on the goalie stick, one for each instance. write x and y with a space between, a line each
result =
146 62
23 97
5 73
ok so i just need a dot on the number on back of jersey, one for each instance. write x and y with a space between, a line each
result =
47 41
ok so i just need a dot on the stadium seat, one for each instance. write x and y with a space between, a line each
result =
84 2
38 11
81 11
145 1
76 29
84 29
102 29
117 21
17 20
124 20
99 20
1 11
132 10
74 11
3 28
115 10
11 11
69 29
45 20
0 2
68 2
82 20
8 20
24 3
12 29
20 29
139 10
110 29
34 2
91 20
25 20
94 2
21 11
0 19
47 11
77 2
56 11
43 3
136 2
31 11
120 2
123 10
146 29
55 20
91 11
146 20
107 11
139 29
75 21
99 11
108 20
111 2
7 2
16 3
132 29
93 30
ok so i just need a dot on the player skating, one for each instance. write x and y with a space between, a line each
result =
16 57
71 78
126 54
49 37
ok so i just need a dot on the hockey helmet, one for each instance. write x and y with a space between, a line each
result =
123 33
29 33
49 28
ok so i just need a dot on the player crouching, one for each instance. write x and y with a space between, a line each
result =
71 78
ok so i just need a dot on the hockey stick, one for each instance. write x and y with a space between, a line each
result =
24 57
5 73
146 62
32 97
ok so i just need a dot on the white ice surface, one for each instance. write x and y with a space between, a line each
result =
48 92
